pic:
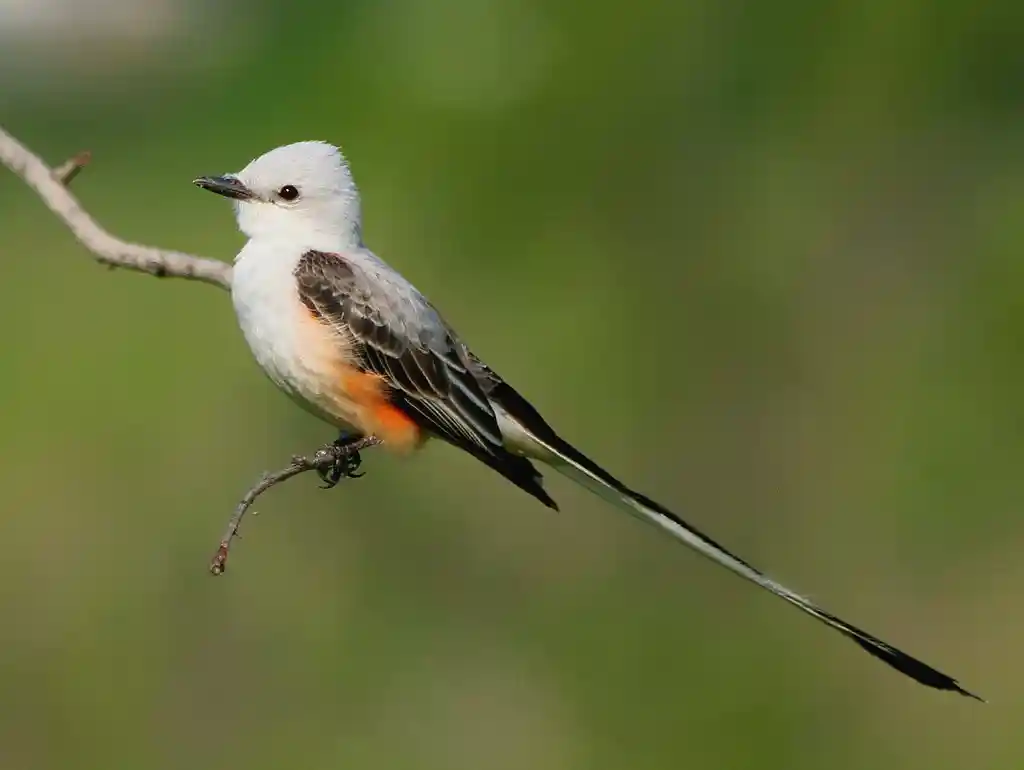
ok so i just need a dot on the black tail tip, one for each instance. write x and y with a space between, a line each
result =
912 667
957 688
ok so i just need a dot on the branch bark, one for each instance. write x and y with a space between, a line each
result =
50 184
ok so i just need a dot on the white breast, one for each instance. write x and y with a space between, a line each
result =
277 327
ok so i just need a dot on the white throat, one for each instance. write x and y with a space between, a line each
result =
328 226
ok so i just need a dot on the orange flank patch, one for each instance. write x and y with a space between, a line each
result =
389 423
351 397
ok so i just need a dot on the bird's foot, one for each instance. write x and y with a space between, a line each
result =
342 461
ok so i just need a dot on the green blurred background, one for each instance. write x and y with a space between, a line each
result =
763 260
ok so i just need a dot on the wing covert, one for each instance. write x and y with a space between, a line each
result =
401 338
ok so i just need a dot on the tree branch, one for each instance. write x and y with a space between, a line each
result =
329 459
332 461
49 184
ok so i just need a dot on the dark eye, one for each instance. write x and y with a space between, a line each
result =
288 193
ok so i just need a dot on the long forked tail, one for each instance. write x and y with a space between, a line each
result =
574 464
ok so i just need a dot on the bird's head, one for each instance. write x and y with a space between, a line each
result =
295 191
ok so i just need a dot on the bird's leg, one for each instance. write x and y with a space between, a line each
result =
345 459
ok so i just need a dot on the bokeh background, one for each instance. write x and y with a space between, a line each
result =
763 260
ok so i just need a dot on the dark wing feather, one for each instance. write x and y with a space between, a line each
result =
401 338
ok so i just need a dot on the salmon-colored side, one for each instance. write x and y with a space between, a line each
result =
370 393
351 396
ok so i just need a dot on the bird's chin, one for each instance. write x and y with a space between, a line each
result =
257 219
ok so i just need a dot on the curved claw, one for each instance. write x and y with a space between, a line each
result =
343 466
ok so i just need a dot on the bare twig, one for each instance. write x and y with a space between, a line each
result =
323 459
69 169
49 184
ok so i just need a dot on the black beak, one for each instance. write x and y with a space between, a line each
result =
228 186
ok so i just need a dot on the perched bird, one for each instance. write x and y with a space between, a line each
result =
352 341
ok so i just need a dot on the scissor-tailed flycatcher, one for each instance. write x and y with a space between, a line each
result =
352 341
